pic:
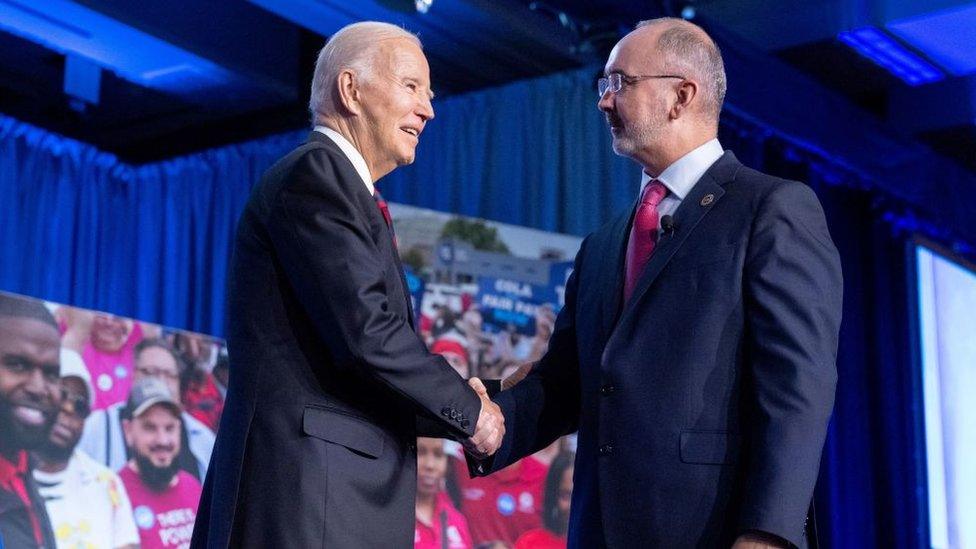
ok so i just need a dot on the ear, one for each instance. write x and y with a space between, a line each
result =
687 92
348 92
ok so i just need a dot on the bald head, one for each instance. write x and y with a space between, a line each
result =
687 50
355 47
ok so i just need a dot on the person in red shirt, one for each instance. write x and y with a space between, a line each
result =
439 524
555 507
504 505
201 398
30 396
164 497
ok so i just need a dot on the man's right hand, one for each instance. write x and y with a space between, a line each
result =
490 429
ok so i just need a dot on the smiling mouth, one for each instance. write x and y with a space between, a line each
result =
30 416
412 131
61 432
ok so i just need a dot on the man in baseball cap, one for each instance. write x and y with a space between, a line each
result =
164 497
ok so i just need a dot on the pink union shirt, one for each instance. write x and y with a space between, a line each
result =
111 373
164 519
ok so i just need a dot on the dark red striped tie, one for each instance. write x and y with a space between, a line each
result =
385 210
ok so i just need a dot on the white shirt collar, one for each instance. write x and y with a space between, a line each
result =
352 154
682 175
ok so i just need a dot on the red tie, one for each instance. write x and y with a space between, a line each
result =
643 234
385 210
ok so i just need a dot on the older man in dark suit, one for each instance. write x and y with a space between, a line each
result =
329 383
696 350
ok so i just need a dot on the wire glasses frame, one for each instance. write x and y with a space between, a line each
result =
615 80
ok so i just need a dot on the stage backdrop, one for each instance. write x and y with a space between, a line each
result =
947 366
485 294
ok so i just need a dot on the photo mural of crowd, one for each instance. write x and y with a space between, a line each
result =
107 427
107 424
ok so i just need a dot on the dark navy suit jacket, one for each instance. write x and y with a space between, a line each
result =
329 383
702 403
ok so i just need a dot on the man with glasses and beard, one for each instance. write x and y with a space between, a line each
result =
29 395
164 497
696 351
87 503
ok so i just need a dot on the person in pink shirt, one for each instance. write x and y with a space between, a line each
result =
108 354
107 344
439 524
164 498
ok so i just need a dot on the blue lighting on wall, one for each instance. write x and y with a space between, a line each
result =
70 28
327 17
888 53
947 37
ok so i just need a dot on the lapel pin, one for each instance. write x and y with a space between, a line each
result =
707 199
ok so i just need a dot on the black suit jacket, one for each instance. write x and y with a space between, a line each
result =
316 446
702 403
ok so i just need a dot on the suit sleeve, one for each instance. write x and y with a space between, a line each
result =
793 293
546 404
325 248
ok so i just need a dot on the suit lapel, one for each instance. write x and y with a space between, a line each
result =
394 254
613 262
695 206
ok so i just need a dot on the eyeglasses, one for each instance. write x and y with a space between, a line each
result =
73 403
615 80
157 373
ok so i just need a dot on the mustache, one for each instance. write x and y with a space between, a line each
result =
162 448
613 120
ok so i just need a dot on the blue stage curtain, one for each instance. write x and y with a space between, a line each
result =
872 480
151 242
154 241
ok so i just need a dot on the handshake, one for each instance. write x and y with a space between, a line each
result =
490 430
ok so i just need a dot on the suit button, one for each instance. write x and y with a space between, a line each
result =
465 423
606 449
607 389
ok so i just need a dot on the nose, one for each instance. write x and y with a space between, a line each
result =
36 387
425 110
605 103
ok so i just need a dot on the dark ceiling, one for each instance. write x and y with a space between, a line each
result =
244 65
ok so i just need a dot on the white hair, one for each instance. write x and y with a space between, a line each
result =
688 49
352 47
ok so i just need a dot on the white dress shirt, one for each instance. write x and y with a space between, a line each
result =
352 154
681 176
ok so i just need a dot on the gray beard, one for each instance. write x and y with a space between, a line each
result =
636 139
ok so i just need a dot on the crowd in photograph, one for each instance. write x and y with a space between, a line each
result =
108 425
